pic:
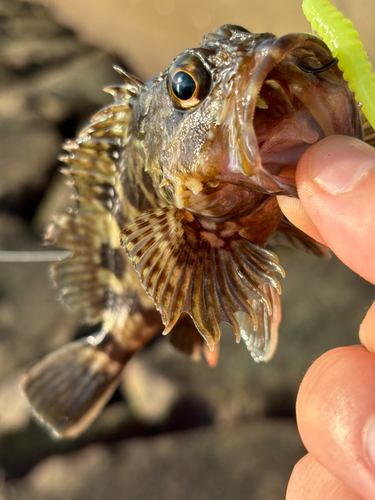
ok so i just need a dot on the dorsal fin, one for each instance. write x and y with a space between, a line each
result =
92 159
132 83
92 280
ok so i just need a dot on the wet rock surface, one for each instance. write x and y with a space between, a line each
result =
175 429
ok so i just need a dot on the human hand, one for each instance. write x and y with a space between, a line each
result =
336 401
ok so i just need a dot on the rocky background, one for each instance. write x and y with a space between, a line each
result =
175 429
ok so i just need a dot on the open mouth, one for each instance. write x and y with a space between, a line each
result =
301 98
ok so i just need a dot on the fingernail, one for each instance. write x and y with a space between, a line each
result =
369 438
338 164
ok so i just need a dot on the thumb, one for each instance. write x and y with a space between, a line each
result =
336 186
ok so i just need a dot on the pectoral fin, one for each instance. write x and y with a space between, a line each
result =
211 275
262 342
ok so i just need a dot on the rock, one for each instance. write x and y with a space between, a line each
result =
2 484
9 8
31 22
222 394
150 395
78 83
27 441
50 84
21 55
28 149
252 460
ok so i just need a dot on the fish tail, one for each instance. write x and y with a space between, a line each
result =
68 388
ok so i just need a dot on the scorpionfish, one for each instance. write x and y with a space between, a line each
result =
176 184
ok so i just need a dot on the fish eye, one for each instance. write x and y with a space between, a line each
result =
189 82
183 85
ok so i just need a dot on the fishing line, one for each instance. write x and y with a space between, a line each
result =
34 256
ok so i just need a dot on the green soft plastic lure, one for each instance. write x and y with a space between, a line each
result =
343 40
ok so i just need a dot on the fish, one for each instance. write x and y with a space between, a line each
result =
176 184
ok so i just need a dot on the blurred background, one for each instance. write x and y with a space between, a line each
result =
175 429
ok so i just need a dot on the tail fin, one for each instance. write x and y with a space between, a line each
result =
69 387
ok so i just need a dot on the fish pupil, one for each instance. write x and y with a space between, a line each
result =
183 85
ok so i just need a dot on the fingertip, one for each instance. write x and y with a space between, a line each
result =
367 330
295 212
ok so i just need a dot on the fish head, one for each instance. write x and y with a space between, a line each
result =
227 122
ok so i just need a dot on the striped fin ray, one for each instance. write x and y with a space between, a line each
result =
211 276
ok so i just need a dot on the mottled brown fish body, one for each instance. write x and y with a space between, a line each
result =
187 168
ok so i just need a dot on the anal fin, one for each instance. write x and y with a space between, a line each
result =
69 387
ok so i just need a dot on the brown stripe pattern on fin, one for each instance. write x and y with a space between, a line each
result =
69 387
209 275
